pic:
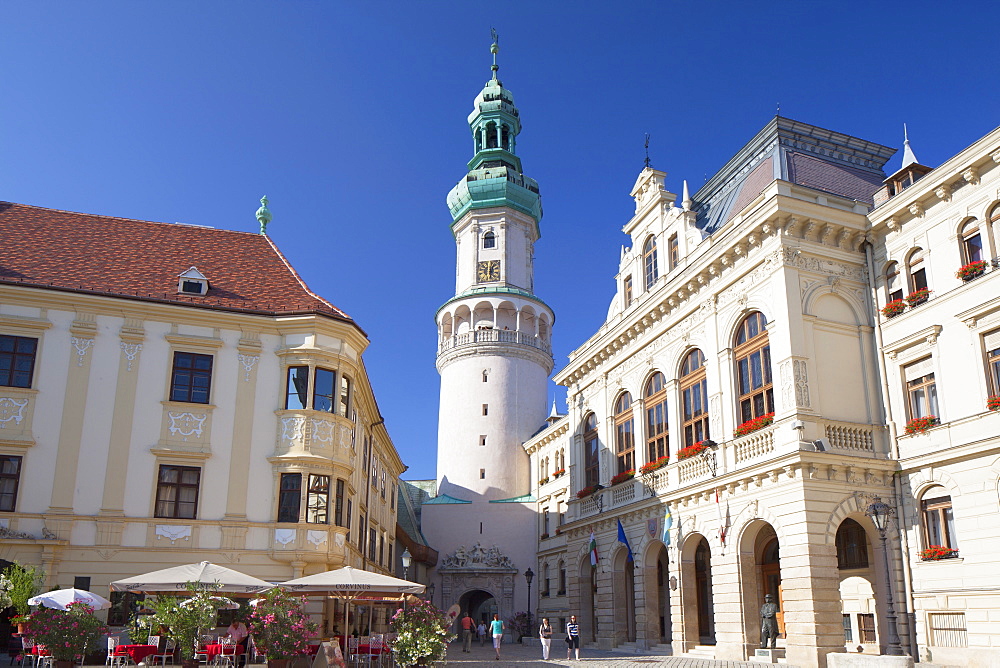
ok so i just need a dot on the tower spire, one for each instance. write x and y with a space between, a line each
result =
263 215
908 157
495 49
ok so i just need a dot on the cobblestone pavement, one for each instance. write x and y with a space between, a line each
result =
527 655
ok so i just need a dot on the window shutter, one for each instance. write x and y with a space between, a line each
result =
992 340
918 369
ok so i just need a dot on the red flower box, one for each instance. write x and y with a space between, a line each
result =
586 491
622 477
993 403
556 474
971 270
753 425
691 450
922 424
894 308
937 552
654 465
918 296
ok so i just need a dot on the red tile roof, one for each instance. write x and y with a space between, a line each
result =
137 259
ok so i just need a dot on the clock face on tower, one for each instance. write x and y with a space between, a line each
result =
489 270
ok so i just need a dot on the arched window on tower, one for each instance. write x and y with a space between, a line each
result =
694 397
893 284
506 138
972 242
489 240
491 135
657 436
624 433
650 270
591 464
852 545
753 369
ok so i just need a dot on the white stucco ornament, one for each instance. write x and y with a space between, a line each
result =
173 532
11 410
82 345
284 536
130 350
186 424
317 538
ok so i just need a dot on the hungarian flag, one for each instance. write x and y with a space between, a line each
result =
593 550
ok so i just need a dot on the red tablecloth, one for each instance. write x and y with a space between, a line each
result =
215 650
136 652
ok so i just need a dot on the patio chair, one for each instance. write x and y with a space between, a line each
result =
377 649
153 640
112 658
168 653
200 655
26 654
353 656
227 657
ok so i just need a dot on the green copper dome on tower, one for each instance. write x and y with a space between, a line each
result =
495 178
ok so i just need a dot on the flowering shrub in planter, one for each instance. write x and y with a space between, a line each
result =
280 629
654 465
586 491
918 296
556 474
422 633
993 403
187 617
753 425
971 270
921 424
66 633
622 477
543 480
893 308
691 450
937 552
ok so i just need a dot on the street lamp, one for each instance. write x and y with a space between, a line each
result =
430 593
529 575
709 455
880 513
407 559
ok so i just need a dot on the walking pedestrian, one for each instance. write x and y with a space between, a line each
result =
573 637
468 626
496 629
545 635
482 633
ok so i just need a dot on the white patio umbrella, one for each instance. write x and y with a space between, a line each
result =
174 580
220 603
349 582
60 598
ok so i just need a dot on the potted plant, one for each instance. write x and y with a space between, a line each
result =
753 425
691 450
972 270
918 296
654 465
921 424
281 630
623 477
558 472
937 552
993 403
65 634
422 634
138 628
587 491
5 601
22 582
893 308
187 617
520 624
543 480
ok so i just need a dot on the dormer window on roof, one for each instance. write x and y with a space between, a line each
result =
192 282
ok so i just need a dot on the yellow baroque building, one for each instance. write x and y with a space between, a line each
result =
171 394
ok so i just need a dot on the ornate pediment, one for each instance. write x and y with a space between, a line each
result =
477 558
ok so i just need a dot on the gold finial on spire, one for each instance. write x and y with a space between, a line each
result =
495 49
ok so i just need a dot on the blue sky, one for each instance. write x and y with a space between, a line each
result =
351 117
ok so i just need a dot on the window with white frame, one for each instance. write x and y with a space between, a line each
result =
992 344
947 629
921 389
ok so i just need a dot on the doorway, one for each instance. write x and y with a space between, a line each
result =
703 592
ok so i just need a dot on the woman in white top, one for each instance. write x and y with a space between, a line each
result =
545 635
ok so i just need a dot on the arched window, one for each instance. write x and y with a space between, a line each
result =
753 369
562 578
893 284
657 437
916 270
852 545
650 270
938 519
972 242
545 580
489 240
624 433
694 397
994 228
591 465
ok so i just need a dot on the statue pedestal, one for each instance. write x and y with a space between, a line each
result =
765 656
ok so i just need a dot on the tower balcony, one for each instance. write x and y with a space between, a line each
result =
493 336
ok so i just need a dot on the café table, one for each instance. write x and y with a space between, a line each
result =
214 650
136 653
